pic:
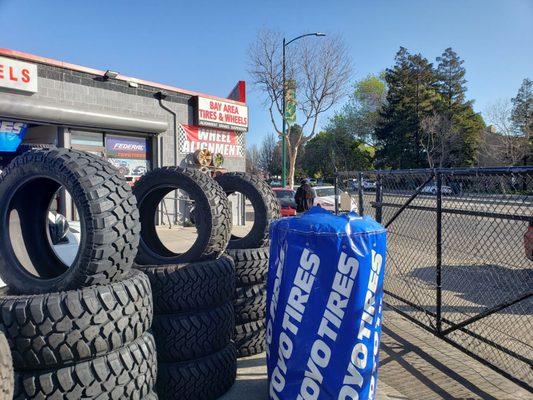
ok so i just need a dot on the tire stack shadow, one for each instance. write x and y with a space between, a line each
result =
79 330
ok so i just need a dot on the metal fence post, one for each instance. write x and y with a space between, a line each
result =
361 194
336 184
439 252
379 199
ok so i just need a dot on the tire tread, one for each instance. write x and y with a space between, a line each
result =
127 373
54 329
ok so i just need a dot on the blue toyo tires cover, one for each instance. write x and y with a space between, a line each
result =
324 306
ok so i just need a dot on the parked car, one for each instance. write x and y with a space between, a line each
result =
367 184
325 198
431 188
286 200
275 183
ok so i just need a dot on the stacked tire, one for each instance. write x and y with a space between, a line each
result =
250 254
79 330
251 266
193 291
6 370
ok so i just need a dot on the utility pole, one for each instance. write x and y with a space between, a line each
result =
284 134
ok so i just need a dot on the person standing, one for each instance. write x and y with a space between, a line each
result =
304 197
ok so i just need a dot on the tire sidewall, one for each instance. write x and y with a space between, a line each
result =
234 183
203 220
11 269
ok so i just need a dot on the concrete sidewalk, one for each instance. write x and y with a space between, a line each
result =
413 365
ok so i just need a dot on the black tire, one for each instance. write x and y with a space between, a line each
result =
24 147
250 304
212 215
6 158
250 338
251 265
106 207
206 378
6 370
55 329
185 288
265 204
127 373
190 336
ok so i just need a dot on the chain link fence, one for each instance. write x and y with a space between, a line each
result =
456 256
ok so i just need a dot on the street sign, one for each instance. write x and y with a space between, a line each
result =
222 114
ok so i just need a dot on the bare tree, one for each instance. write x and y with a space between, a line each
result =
321 70
505 143
268 154
439 139
252 160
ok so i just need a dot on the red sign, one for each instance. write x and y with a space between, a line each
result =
227 143
222 114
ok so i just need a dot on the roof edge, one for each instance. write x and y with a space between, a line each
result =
74 67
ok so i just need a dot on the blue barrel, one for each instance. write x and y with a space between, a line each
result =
324 306
11 135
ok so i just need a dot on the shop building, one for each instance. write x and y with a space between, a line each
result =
135 124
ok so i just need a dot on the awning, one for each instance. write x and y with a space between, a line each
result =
29 110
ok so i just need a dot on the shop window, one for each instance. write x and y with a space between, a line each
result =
87 138
92 142
41 134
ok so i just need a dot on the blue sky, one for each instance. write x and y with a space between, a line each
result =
202 45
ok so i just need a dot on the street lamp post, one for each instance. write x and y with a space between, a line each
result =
284 136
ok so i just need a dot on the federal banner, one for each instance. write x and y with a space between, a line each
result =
127 147
228 143
324 306
129 154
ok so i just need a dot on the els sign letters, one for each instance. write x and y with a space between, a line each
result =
18 75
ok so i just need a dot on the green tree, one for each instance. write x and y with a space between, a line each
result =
522 116
464 125
360 115
426 120
335 148
411 97
451 78
469 126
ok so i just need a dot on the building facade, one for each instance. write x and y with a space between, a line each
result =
135 124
